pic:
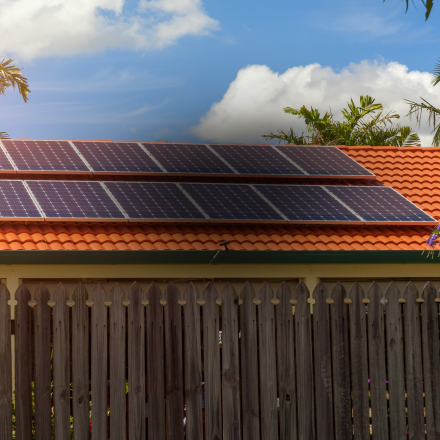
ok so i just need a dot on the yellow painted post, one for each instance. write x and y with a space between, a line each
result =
12 284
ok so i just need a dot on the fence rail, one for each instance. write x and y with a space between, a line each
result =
214 364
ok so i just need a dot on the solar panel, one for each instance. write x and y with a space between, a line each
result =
16 203
325 162
5 163
381 205
44 156
231 202
74 200
307 204
188 159
154 201
257 160
117 157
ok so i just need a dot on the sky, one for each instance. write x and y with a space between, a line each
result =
209 71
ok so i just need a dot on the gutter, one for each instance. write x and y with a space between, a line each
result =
223 257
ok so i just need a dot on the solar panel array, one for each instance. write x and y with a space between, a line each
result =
214 202
101 157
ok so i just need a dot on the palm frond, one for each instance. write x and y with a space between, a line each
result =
10 76
436 74
288 136
417 109
428 4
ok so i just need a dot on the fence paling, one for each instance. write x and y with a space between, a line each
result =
99 364
211 362
43 379
304 366
249 364
118 429
377 365
322 358
5 366
359 363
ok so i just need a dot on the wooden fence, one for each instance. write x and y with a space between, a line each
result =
217 365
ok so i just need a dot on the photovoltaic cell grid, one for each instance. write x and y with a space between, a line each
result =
47 156
231 202
16 203
117 157
380 205
74 200
325 162
154 201
257 160
307 203
188 159
5 164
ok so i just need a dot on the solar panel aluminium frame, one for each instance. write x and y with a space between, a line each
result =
78 219
270 175
390 223
18 171
283 219
160 220
312 222
369 176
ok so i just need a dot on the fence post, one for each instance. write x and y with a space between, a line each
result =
12 284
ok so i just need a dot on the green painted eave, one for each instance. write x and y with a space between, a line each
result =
223 257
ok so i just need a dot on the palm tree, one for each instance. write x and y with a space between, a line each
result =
417 109
10 76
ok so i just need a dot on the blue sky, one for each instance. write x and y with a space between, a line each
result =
152 70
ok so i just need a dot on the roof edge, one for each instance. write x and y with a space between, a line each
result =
204 257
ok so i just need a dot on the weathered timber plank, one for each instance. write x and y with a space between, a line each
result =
211 362
155 364
286 364
413 366
268 373
23 365
43 379
173 363
249 364
61 364
230 365
376 355
117 365
192 363
431 367
323 364
304 364
341 365
80 364
396 374
359 363
99 364
5 366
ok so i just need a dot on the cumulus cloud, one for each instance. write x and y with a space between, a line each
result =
254 102
40 28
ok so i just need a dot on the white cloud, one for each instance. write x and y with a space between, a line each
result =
254 102
40 28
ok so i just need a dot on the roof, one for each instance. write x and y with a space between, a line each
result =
414 172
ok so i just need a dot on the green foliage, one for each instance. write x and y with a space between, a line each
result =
428 4
417 109
363 124
10 76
